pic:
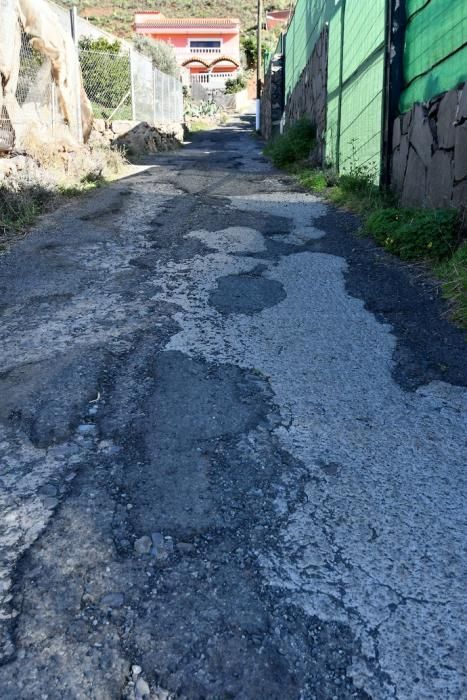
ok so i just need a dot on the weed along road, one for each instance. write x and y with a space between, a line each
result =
233 447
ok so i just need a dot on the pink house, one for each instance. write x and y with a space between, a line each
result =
208 47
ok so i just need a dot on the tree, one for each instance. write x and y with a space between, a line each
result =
162 54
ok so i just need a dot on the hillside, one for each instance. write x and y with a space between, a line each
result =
117 15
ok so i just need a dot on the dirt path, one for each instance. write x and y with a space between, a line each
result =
233 448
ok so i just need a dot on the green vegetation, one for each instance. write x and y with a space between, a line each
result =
19 207
117 16
106 77
453 274
293 146
161 54
432 236
415 234
233 85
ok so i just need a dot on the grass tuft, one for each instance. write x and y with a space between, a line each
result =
453 274
293 146
415 234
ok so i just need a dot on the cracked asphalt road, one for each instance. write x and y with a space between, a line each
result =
233 448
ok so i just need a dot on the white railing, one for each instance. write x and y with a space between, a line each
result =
197 50
214 80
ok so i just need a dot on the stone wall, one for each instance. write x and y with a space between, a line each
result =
272 98
309 97
429 162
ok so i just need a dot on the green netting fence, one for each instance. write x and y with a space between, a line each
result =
435 57
434 61
355 85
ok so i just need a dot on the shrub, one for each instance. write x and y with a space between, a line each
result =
233 85
293 146
161 54
415 233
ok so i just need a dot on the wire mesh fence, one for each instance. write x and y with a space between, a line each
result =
31 97
168 98
107 83
121 85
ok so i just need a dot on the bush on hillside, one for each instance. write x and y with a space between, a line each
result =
293 146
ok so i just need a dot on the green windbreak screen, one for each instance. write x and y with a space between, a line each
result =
355 106
303 32
435 56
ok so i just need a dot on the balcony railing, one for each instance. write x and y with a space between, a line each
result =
212 80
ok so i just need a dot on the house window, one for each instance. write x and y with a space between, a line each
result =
214 44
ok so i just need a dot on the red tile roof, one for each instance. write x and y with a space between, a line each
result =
161 21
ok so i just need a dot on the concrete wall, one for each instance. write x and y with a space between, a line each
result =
429 162
309 97
272 99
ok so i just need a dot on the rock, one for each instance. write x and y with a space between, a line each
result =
48 490
141 689
396 133
460 152
49 503
459 195
185 548
440 180
446 119
113 600
420 135
399 163
86 428
143 545
462 108
136 670
413 193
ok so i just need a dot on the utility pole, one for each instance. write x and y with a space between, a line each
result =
258 65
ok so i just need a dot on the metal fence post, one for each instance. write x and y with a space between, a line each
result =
74 35
132 79
393 80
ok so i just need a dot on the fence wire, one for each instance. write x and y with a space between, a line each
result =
168 98
31 99
120 85
107 83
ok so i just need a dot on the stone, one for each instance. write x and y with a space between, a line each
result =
136 670
446 119
406 121
414 188
49 502
462 107
141 689
460 152
420 135
143 545
459 195
399 164
185 548
112 600
396 133
86 428
440 179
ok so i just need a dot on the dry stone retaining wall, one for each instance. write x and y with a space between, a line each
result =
309 97
429 161
272 99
